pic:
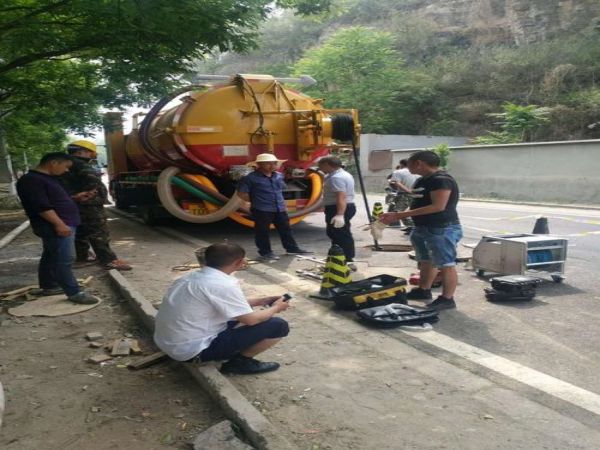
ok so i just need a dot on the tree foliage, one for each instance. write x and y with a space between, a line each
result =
358 67
517 123
60 60
450 83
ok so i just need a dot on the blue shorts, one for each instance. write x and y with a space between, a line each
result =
436 244
235 340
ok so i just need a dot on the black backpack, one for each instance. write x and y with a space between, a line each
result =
396 314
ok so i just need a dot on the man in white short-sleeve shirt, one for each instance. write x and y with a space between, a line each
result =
403 181
338 199
205 316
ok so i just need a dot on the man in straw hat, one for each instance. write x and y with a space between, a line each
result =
263 188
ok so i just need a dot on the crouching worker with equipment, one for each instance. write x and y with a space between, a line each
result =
205 316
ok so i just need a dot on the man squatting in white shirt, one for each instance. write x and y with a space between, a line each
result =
205 316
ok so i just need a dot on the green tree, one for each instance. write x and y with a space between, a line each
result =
517 124
62 59
357 68
443 151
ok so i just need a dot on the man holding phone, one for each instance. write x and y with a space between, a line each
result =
85 185
205 316
54 216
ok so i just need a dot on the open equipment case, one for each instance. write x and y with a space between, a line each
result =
521 254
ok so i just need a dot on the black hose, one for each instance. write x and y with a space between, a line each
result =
343 130
147 122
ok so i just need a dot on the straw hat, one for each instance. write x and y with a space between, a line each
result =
267 157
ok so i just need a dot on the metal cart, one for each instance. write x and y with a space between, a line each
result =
518 254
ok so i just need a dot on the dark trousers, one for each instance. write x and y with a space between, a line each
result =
93 231
54 269
281 221
341 236
233 340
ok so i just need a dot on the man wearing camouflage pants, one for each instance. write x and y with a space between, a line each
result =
83 177
402 180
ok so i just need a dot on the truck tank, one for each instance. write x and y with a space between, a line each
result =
192 148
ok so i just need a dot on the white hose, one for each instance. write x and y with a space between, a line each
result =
165 194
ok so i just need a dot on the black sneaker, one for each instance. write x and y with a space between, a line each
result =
299 251
441 303
408 230
241 365
419 294
268 257
83 298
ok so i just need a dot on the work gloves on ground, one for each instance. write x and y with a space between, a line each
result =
338 221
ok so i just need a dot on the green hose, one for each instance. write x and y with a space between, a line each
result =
196 192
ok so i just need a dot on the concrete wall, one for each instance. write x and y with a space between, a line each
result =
375 181
561 172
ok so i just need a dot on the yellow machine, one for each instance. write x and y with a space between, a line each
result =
192 147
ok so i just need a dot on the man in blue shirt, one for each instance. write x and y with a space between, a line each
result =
263 188
54 216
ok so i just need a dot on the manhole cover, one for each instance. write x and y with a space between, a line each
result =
393 248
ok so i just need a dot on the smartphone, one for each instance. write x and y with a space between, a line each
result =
287 296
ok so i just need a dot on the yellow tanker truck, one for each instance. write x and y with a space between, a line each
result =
190 150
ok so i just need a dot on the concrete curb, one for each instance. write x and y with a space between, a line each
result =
261 433
1 403
13 234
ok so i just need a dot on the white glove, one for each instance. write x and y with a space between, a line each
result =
376 229
338 221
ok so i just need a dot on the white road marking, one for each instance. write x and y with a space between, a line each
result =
575 395
498 219
590 401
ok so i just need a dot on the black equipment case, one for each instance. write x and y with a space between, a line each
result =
512 288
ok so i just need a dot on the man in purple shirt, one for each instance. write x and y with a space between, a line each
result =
263 188
54 216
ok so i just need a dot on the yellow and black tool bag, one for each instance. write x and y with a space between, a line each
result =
374 291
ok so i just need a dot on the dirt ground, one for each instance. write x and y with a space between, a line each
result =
57 400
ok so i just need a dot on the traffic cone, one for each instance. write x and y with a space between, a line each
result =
541 226
377 210
336 272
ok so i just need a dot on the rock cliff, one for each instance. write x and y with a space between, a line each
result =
509 21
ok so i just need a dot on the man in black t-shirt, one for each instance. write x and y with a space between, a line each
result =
437 228
54 216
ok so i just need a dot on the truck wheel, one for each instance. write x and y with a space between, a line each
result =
148 216
119 199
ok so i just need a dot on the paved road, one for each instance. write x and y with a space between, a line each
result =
556 334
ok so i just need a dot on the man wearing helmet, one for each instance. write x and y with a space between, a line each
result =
83 177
